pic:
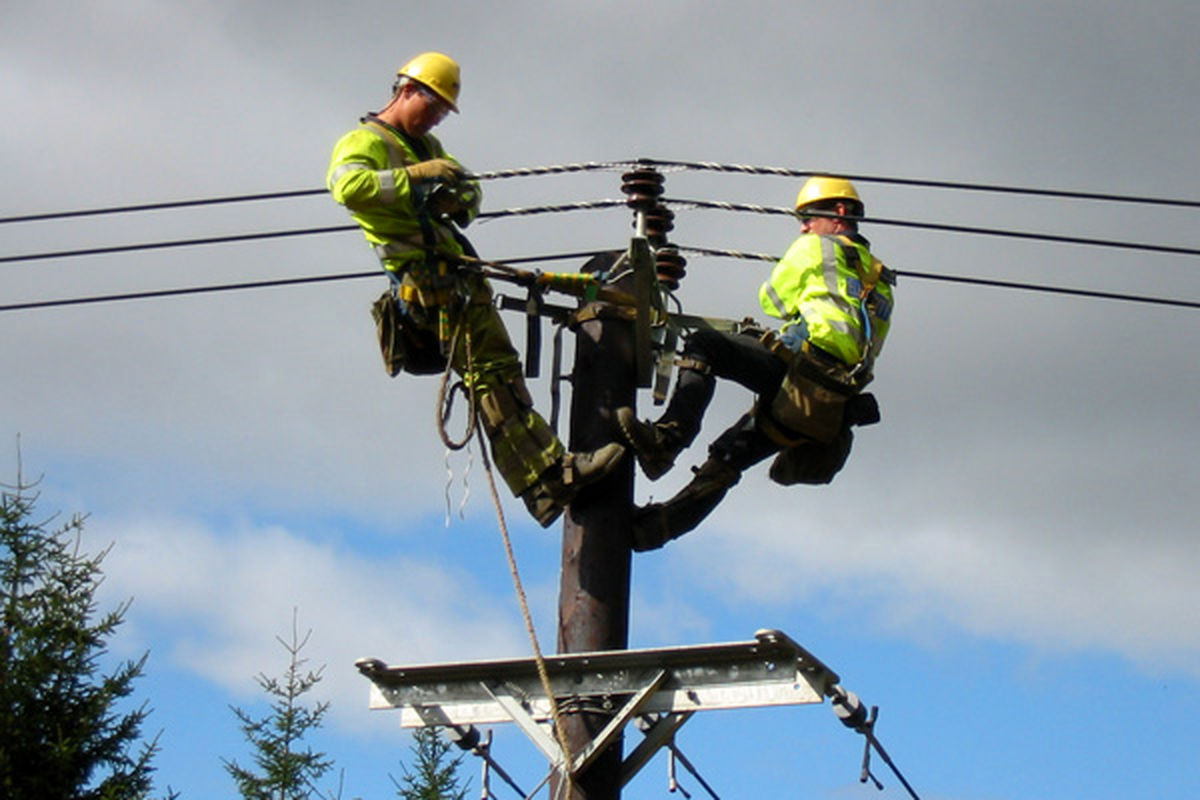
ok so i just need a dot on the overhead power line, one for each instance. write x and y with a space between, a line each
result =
940 226
927 183
1000 284
606 204
710 166
158 293
280 234
169 204
128 248
580 255
242 286
288 194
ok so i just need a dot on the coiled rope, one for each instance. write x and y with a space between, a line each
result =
445 408
446 393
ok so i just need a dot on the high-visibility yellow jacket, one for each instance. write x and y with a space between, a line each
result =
367 176
818 287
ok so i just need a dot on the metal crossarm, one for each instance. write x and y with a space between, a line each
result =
675 682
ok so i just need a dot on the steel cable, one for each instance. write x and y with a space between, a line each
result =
711 166
995 283
939 226
924 183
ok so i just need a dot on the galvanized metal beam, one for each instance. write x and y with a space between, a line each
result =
769 670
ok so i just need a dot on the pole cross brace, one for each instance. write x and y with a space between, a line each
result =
547 743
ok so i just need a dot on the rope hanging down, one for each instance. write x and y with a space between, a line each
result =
539 658
444 407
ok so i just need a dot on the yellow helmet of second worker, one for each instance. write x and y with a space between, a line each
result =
438 71
822 187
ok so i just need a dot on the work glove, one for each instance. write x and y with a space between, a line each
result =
454 203
437 169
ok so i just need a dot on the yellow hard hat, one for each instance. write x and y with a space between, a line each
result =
822 187
438 71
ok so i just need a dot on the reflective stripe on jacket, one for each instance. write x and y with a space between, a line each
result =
367 176
817 285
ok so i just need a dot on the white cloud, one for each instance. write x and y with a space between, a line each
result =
217 598
1048 588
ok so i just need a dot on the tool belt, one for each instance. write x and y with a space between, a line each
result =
405 345
811 401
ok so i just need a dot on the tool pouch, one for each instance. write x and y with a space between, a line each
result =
811 401
812 462
404 345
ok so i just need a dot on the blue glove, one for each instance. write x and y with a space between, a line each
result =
794 336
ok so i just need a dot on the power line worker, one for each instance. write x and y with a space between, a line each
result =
836 301
410 196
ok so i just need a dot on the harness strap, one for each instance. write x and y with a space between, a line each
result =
869 276
433 297
533 333
693 364
399 160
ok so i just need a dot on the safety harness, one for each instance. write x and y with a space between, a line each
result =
811 404
437 288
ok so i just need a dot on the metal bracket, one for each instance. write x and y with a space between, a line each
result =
666 363
644 279
518 712
658 733
613 729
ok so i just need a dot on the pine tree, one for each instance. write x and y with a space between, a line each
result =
288 769
432 776
61 733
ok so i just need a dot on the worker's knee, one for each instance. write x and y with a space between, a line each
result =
701 345
503 401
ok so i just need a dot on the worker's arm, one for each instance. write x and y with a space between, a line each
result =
465 196
780 295
361 178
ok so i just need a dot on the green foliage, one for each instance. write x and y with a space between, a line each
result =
287 768
433 776
61 735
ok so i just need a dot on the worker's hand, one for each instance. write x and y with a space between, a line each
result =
438 169
522 277
454 203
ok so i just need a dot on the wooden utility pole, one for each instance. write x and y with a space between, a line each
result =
593 611
612 359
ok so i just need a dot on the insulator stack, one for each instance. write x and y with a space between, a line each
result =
642 187
669 265
660 221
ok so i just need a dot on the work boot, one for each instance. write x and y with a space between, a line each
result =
656 524
580 469
559 484
653 443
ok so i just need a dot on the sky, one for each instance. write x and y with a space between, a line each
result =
1006 566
